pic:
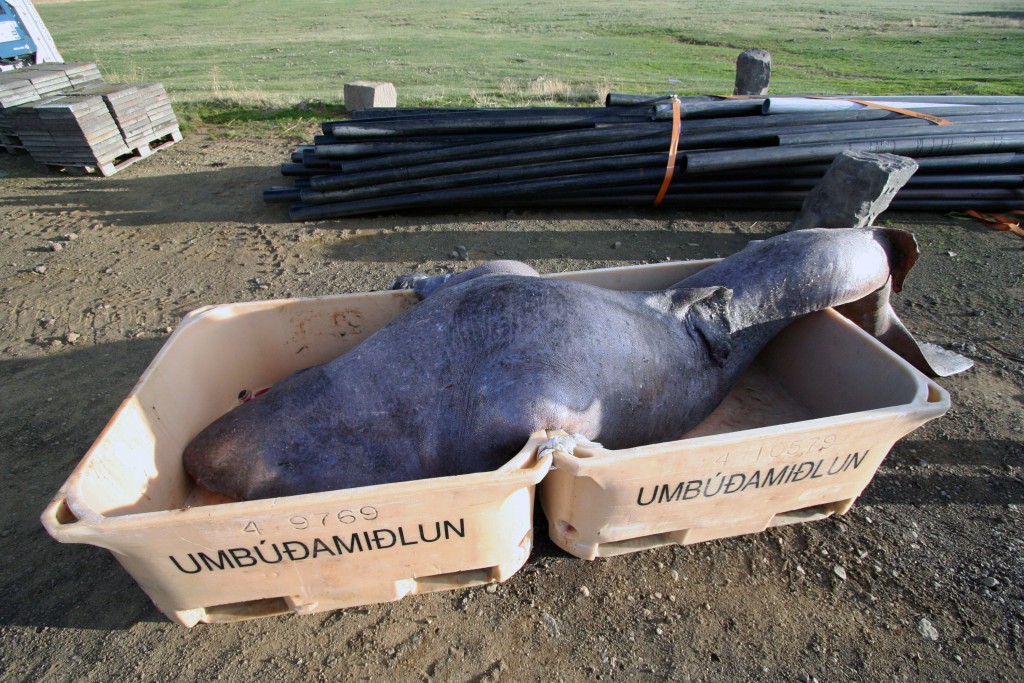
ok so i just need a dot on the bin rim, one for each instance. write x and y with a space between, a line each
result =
526 468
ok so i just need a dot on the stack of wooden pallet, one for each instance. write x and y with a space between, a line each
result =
33 83
70 130
82 124
78 73
142 111
16 89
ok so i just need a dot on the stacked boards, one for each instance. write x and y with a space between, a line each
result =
77 73
94 126
34 83
68 129
142 111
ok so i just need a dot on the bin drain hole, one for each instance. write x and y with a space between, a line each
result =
641 543
64 514
451 580
808 514
250 609
565 528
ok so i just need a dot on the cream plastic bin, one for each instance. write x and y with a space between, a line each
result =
203 558
798 439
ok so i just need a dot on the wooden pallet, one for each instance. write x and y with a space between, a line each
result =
161 140
11 144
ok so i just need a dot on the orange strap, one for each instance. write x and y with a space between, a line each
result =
673 147
999 221
877 105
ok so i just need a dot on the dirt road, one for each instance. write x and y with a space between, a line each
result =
922 580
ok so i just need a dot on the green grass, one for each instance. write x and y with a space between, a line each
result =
246 60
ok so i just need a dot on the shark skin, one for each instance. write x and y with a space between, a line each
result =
459 382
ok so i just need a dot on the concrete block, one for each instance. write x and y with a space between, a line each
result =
753 71
369 94
854 190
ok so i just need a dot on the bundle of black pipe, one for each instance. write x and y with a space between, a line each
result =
731 152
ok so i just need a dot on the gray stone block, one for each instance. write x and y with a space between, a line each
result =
753 71
854 190
369 94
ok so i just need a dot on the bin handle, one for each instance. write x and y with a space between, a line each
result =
62 523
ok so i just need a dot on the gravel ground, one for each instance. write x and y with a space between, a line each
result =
922 580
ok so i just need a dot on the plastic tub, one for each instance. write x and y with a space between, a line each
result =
201 557
798 439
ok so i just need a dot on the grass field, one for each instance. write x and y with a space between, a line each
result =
223 57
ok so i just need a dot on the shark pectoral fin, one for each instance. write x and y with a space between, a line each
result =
930 359
871 313
710 302
423 285
426 285
407 281
434 284
875 315
903 252
705 311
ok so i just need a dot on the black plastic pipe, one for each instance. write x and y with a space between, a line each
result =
719 109
754 200
724 198
362 149
353 171
725 160
920 179
614 99
511 117
490 175
423 159
291 169
693 137
393 129
548 154
785 120
954 205
965 162
281 196
850 130
457 124
540 141
932 164
948 183
520 118
698 184
406 113
907 129
491 192
977 163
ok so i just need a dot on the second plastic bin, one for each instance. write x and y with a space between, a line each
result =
798 439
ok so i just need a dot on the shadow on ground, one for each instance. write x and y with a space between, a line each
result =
223 194
235 194
64 399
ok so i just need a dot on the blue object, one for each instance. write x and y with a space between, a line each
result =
16 45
